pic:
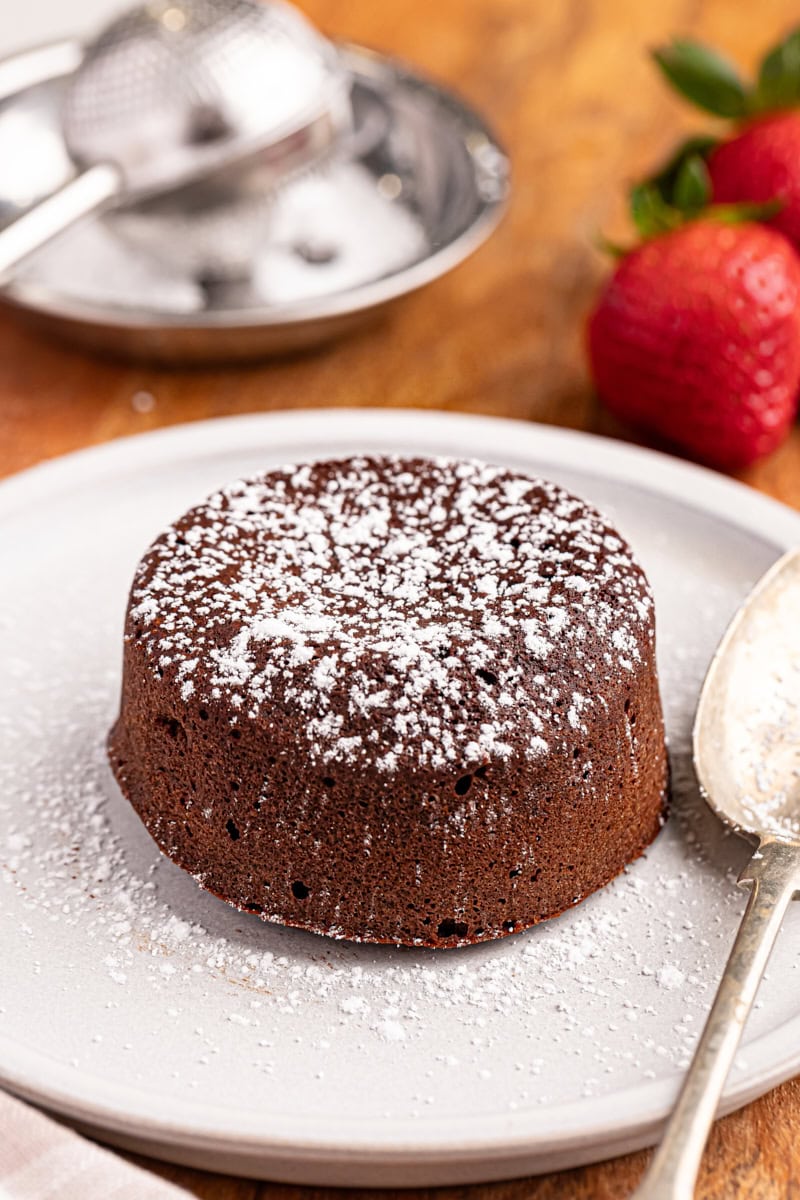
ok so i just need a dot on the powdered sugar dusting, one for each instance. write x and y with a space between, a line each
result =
403 589
753 734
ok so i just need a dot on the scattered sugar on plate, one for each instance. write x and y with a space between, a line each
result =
118 960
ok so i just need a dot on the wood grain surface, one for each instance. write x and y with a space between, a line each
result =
570 90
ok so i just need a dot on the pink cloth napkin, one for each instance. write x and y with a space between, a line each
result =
43 1160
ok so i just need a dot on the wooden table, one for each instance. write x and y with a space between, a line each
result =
570 89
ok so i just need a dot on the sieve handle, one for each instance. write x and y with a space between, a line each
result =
82 196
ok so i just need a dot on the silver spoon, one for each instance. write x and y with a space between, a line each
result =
747 757
177 91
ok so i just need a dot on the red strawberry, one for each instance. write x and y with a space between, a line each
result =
761 162
696 338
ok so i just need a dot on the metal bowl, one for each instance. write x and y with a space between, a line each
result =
416 187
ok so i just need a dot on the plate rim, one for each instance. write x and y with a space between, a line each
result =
636 1112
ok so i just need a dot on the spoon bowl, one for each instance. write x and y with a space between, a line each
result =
747 727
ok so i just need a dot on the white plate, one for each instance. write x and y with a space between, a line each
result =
135 1004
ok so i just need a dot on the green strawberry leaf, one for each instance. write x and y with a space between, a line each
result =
779 76
692 185
697 144
650 212
704 77
683 181
654 217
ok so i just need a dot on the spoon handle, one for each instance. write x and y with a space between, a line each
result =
774 878
85 194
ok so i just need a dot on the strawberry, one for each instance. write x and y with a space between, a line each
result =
762 160
696 337
763 163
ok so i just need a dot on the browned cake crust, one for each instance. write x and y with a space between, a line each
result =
393 700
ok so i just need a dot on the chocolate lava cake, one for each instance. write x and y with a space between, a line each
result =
393 700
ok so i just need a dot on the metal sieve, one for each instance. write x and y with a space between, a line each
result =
179 92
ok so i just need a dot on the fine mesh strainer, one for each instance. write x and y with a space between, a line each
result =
182 92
